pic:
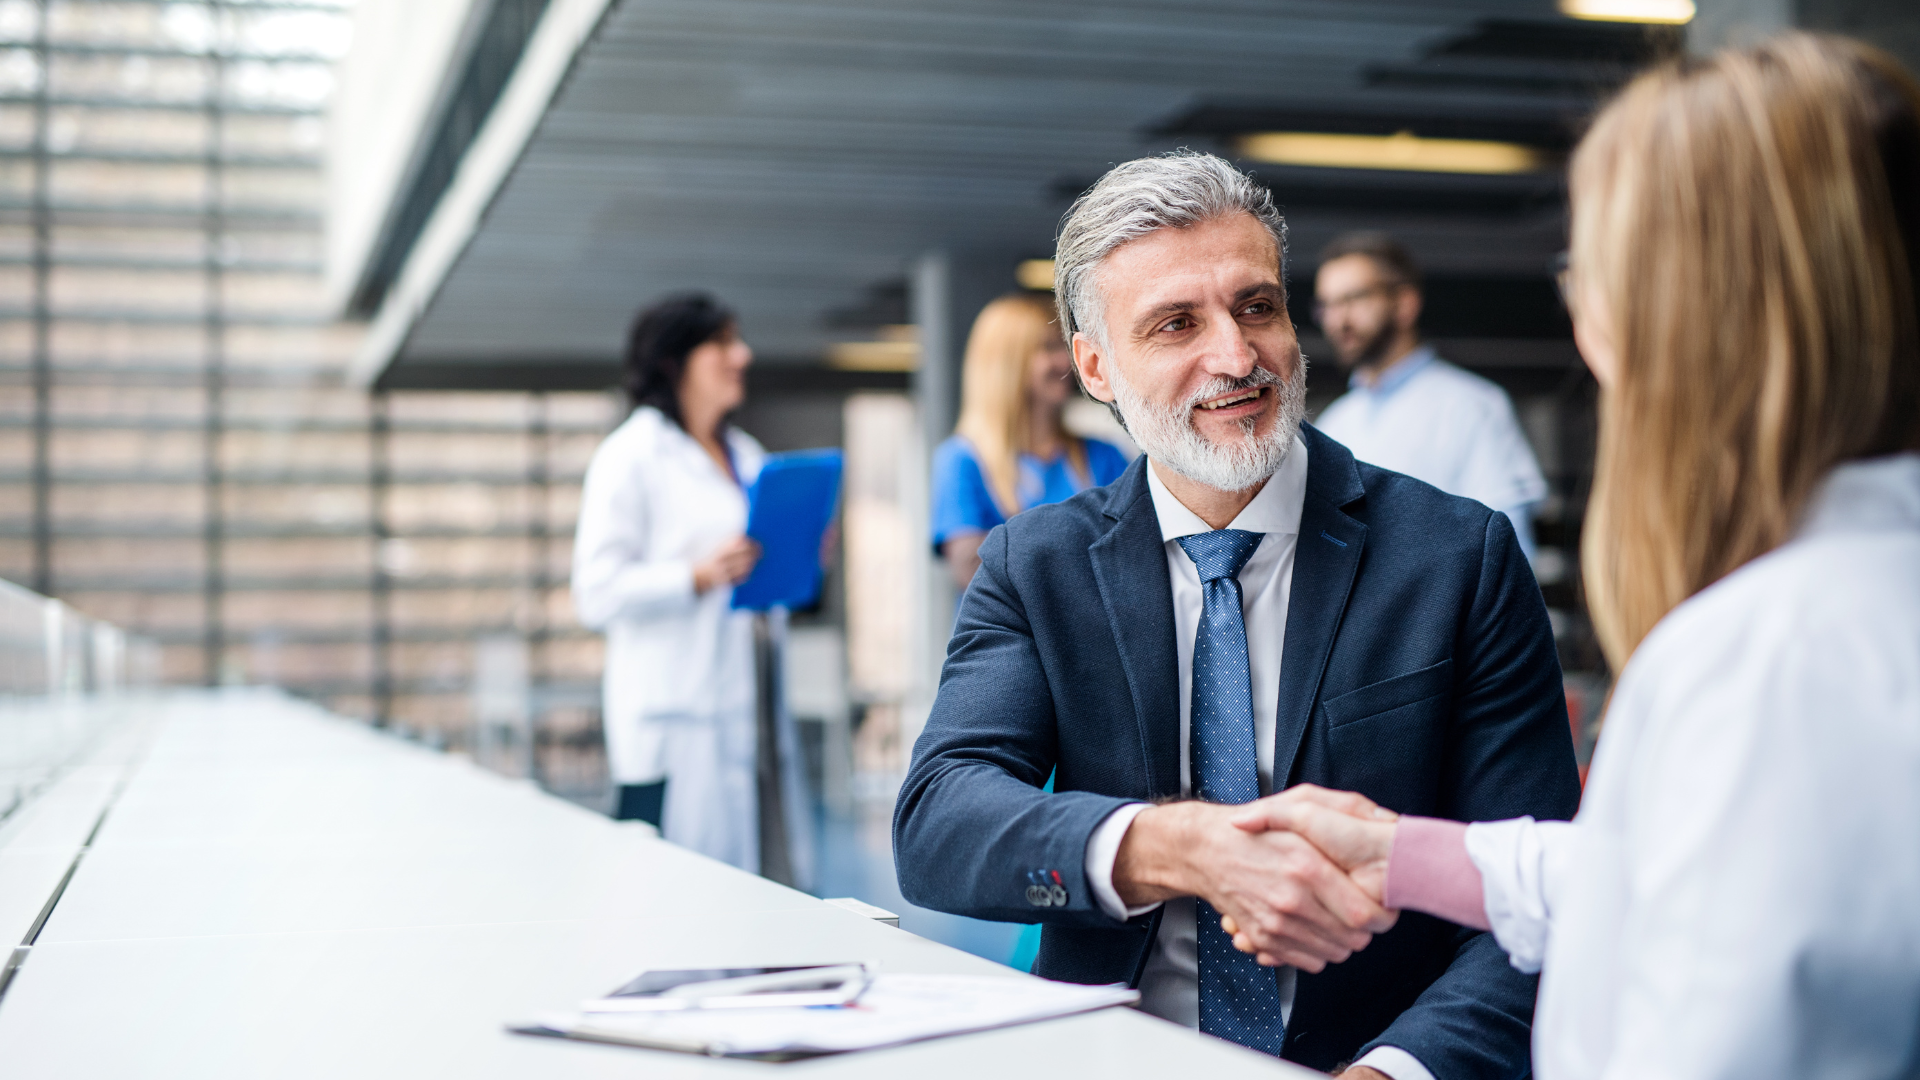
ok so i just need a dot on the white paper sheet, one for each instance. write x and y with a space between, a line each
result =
896 1009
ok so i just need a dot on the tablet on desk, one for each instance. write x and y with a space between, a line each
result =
737 988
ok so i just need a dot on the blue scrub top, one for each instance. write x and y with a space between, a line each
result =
963 505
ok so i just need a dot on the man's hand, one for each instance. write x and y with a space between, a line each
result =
1362 1072
1300 907
1345 827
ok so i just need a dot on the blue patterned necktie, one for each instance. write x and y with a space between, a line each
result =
1239 999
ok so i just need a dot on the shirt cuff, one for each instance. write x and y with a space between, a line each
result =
1103 847
1429 870
1394 1062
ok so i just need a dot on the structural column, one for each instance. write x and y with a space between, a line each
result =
214 595
540 552
380 589
948 290
42 211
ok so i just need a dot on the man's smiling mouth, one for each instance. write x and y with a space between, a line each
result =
1236 399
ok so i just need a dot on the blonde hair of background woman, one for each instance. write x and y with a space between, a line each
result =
1748 222
994 414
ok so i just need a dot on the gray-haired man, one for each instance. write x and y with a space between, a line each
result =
1247 608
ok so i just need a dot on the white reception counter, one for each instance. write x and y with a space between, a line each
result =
271 891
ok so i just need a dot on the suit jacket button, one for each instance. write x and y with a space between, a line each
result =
1039 896
1058 896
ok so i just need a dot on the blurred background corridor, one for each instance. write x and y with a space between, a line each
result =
312 311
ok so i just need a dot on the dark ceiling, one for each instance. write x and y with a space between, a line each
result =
795 158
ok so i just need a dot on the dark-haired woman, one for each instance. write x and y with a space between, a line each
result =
660 543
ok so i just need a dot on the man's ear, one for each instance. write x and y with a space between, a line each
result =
1407 307
1090 367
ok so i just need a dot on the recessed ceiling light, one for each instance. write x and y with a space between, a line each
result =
1034 274
896 348
874 355
1405 151
1670 12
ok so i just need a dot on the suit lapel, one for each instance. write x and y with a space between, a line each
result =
1326 557
1130 568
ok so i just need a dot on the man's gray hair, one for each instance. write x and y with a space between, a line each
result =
1173 190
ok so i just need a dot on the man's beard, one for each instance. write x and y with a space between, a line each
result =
1167 435
1372 350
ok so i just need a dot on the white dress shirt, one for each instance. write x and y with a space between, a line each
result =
1170 985
1451 428
1740 894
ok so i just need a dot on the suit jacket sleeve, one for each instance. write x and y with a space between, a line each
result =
1510 754
973 831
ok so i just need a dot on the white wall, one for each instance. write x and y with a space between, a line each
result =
391 81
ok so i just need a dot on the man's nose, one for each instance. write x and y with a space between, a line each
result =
1228 352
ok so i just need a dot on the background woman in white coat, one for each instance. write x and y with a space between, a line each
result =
1740 894
659 546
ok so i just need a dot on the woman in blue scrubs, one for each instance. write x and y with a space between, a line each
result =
1009 452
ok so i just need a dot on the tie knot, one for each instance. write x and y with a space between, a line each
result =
1220 553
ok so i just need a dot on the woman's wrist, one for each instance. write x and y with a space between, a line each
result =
1429 870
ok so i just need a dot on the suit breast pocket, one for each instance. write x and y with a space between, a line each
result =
1390 695
1385 739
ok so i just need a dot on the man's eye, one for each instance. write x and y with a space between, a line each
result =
1258 307
1177 323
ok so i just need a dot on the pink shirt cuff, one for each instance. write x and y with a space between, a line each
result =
1429 870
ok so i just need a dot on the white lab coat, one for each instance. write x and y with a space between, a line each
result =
1446 426
1740 894
679 687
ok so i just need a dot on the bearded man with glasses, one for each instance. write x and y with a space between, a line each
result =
1246 609
1405 408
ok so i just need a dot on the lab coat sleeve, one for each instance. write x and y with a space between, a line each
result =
612 573
1522 862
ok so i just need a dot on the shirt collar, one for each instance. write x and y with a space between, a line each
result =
1871 495
1276 509
1397 375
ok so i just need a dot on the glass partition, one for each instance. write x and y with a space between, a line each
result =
63 679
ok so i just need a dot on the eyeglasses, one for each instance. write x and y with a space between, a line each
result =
1320 308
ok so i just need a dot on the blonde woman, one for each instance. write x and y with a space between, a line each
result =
1009 451
1740 894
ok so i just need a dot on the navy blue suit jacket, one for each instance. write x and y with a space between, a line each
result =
1420 670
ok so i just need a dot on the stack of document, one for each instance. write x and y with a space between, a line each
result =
891 1010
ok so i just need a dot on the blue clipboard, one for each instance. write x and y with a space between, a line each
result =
789 507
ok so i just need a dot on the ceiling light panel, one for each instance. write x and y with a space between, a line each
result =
1404 151
1666 12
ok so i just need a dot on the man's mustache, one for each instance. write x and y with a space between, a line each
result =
1252 380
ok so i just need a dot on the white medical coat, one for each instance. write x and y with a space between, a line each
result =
679 687
1739 896
1448 427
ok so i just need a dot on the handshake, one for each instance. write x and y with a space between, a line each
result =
1299 878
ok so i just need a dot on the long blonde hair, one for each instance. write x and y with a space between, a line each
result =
1746 223
994 412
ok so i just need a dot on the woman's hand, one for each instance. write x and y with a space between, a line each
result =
1348 828
729 564
1352 831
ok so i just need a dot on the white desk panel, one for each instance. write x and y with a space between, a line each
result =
27 877
280 893
197 889
298 801
430 1003
39 840
63 814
